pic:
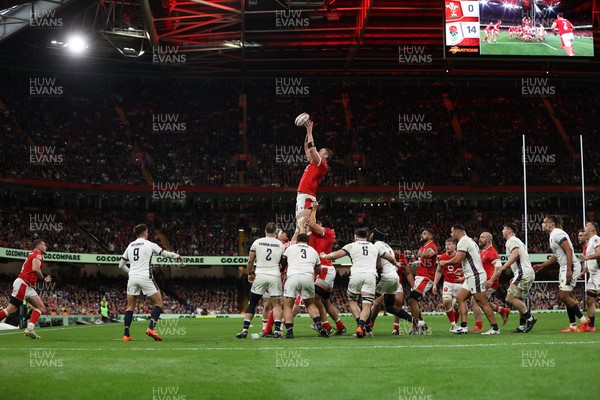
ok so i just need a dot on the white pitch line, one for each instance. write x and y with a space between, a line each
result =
412 346
553 48
42 330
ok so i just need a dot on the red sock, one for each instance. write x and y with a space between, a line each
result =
479 324
396 326
270 323
372 323
327 326
451 316
339 324
456 315
35 314
3 314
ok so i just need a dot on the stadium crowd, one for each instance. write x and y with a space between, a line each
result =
133 135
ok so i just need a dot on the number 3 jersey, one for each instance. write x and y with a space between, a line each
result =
139 255
363 255
301 259
268 253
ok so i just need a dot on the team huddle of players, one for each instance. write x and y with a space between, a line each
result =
528 33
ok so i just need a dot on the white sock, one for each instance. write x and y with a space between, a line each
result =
30 326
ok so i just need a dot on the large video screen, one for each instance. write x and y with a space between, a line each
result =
519 28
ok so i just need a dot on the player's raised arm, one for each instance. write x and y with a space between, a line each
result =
313 154
312 221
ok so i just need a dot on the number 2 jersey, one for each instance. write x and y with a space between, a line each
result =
268 252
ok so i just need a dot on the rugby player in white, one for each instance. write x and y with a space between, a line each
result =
590 257
266 253
523 276
474 283
302 263
363 275
564 254
139 256
389 281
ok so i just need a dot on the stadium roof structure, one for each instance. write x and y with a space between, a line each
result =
223 38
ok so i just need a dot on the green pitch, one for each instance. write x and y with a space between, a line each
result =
201 359
513 47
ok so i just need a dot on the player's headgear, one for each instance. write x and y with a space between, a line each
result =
303 238
139 229
379 234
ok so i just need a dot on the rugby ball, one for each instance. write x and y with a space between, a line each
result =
302 119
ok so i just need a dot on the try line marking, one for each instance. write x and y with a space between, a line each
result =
405 346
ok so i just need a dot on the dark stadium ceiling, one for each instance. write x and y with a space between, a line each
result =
253 38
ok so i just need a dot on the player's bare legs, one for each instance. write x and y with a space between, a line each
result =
131 302
590 300
481 300
514 297
399 302
38 309
157 302
266 312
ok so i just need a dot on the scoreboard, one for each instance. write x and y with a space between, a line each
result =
461 29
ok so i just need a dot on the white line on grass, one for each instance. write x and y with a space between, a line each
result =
20 331
411 346
553 48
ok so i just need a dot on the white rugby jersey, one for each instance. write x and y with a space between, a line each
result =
592 247
139 255
557 237
471 264
301 259
268 255
388 269
523 264
363 255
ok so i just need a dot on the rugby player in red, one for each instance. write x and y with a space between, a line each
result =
24 288
453 280
565 29
427 256
489 258
322 238
314 173
488 31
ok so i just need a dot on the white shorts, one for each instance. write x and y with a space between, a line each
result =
362 282
22 291
400 289
303 201
264 282
388 285
422 284
137 284
327 277
562 278
474 284
450 290
524 284
299 283
567 39
593 282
